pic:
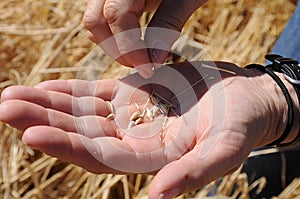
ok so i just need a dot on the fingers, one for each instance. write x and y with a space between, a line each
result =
114 25
76 106
104 154
195 170
166 25
22 115
70 147
122 17
101 89
99 30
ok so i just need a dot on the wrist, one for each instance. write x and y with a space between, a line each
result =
277 109
295 128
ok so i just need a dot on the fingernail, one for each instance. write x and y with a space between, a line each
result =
159 53
26 137
146 70
161 196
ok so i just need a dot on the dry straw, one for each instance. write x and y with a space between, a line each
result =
41 40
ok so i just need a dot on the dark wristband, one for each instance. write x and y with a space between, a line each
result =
291 71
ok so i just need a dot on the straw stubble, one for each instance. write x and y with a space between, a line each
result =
42 40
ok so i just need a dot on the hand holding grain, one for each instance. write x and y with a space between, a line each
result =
187 135
114 26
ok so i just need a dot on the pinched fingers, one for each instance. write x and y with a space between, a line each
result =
99 30
113 24
166 25
122 17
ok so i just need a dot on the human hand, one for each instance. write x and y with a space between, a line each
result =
114 25
217 117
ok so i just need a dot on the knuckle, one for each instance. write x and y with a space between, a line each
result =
89 20
93 17
111 10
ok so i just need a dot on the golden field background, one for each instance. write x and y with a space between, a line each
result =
42 40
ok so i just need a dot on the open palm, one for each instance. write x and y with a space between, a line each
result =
191 123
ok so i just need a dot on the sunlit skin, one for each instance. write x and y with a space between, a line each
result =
114 25
208 137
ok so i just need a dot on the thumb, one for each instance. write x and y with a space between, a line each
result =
194 170
166 25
